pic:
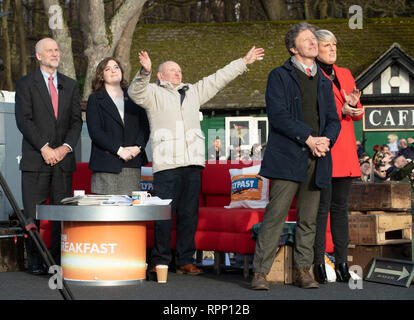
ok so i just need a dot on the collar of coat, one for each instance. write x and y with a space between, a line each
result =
299 65
103 94
168 85
291 68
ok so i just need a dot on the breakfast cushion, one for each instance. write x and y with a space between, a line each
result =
248 188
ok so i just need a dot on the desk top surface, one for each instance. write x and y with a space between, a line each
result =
103 213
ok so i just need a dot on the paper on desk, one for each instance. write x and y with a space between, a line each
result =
117 201
157 201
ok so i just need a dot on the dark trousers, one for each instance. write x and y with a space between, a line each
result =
335 201
281 196
182 185
37 187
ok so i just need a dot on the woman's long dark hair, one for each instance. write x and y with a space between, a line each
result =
98 81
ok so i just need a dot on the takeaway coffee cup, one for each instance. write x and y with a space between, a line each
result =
162 272
139 197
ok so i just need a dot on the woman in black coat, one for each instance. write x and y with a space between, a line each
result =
119 131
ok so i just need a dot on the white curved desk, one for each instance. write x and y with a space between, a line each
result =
103 245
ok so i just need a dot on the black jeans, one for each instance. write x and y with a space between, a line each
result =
182 185
333 200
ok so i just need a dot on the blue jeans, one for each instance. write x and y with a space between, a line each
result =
182 185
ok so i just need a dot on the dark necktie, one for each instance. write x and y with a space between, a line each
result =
182 93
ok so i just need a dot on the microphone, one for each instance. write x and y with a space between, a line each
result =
60 87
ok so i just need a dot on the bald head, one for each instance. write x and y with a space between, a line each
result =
170 71
48 54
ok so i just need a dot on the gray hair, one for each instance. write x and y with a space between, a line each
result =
292 34
325 35
38 45
162 65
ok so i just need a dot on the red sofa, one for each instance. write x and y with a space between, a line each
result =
225 230
219 229
81 181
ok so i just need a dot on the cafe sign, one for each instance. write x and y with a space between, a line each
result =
389 118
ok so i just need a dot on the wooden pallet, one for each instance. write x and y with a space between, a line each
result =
281 270
379 229
388 196
362 256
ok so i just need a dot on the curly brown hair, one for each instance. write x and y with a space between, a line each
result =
98 81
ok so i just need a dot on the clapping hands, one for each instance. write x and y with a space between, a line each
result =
352 100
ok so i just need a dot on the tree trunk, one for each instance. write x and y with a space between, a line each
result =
217 9
98 42
229 11
185 13
205 12
62 36
22 37
7 53
323 9
308 10
123 50
245 10
38 23
275 9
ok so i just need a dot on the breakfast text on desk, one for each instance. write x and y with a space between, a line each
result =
88 248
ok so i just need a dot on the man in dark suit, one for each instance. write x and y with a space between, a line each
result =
303 126
48 115
215 152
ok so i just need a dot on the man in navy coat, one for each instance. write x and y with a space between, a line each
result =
303 127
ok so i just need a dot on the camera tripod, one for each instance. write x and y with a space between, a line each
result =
31 229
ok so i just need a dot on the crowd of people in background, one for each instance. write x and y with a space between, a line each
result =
392 161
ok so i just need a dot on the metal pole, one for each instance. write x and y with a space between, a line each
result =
34 234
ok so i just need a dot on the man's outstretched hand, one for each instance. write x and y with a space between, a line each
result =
145 61
253 55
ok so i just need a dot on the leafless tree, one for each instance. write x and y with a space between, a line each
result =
275 9
7 49
22 37
102 36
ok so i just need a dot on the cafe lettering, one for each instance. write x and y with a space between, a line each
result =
389 118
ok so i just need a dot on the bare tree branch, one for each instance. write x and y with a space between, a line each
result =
62 36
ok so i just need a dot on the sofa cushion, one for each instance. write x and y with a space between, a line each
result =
225 241
248 188
228 220
233 220
216 200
